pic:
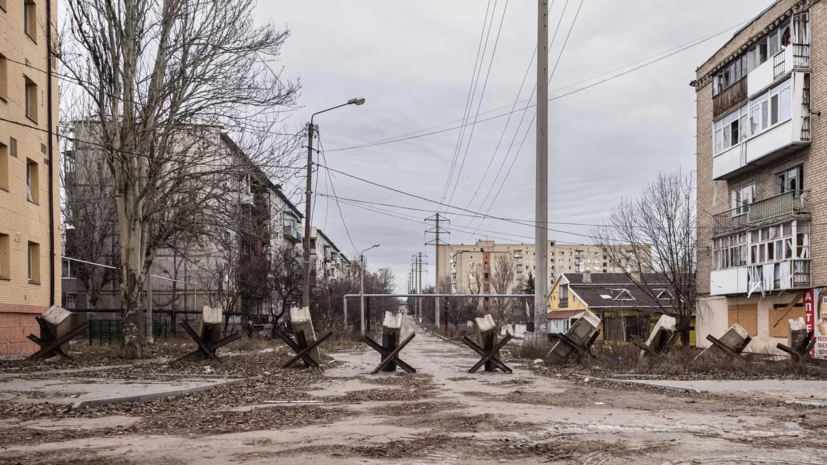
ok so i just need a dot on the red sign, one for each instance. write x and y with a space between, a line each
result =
810 308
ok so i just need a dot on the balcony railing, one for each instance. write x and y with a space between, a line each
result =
778 62
775 209
779 208
730 98
801 56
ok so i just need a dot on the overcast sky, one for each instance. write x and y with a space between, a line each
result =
413 62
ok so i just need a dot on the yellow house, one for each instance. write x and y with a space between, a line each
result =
29 170
627 309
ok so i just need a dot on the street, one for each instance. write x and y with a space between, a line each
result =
439 415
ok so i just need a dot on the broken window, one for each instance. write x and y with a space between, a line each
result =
790 180
741 198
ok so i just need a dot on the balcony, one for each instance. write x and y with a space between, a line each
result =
786 275
777 209
730 98
793 58
291 233
779 139
783 207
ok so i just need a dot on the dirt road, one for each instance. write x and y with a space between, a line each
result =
443 415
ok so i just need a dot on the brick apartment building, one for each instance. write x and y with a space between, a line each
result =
761 163
29 181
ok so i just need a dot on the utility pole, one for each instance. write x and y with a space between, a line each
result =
541 201
420 285
436 243
308 199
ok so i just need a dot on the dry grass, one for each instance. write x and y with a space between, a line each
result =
680 362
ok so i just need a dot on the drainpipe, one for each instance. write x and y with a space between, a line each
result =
49 122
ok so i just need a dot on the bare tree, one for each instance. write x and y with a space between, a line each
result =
157 78
285 281
502 277
89 222
657 232
457 310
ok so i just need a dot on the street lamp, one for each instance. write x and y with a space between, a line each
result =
362 288
306 254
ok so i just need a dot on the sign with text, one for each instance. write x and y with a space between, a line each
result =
815 305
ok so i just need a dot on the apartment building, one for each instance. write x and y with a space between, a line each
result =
29 181
470 267
224 268
329 261
761 160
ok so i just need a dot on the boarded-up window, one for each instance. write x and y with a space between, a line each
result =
779 318
746 316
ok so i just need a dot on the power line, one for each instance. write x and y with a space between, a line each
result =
482 95
467 109
440 203
674 51
341 215
551 76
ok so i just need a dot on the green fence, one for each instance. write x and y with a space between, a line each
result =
105 331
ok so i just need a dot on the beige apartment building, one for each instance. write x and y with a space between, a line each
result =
470 266
761 165
29 181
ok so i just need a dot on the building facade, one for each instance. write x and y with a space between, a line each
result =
470 267
329 261
29 177
227 266
761 158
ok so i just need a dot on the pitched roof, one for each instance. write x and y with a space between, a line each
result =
618 291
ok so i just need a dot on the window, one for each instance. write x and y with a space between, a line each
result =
789 180
31 99
32 182
782 100
771 244
34 262
69 161
730 74
731 130
662 294
741 198
622 294
4 167
5 265
470 264
4 78
564 296
30 19
729 251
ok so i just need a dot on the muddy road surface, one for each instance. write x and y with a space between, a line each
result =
440 415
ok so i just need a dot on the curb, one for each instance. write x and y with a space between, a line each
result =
148 397
660 386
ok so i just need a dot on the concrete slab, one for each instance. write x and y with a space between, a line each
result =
91 392
783 389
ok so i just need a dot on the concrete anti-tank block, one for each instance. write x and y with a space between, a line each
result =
212 315
485 324
300 321
579 333
392 320
56 315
